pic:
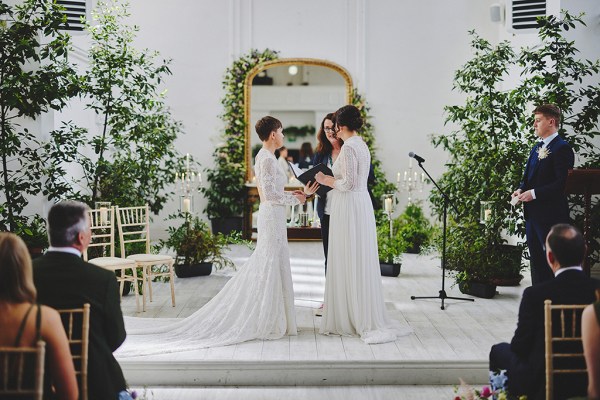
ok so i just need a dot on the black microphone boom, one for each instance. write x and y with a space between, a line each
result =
416 157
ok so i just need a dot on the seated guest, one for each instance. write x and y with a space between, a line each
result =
306 156
23 323
523 358
591 347
64 280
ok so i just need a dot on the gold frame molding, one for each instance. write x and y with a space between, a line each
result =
283 62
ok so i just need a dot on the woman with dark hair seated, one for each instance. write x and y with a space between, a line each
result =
23 322
590 331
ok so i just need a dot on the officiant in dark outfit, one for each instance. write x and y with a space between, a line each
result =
542 189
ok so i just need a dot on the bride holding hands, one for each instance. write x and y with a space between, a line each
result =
354 302
258 302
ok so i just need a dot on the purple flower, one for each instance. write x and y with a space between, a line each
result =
486 392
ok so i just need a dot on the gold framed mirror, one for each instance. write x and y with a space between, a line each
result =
297 91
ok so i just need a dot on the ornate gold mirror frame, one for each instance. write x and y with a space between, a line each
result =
249 130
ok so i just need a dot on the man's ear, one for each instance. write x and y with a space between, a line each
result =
80 238
550 257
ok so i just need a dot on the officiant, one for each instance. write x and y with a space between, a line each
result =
542 189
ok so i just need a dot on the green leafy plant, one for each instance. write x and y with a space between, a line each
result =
33 232
194 243
414 228
493 136
35 76
390 249
133 152
293 132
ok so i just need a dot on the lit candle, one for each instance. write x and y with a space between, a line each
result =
200 178
398 177
186 205
487 214
187 161
415 179
103 215
410 162
422 177
405 175
388 204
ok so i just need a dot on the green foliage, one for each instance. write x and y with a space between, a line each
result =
194 243
414 228
390 248
35 76
294 132
133 153
493 137
473 254
382 185
226 191
33 232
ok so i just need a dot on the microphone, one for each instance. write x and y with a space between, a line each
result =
416 157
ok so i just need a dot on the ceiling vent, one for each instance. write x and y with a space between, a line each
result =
523 14
74 10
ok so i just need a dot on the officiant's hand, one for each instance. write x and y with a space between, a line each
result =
325 179
311 188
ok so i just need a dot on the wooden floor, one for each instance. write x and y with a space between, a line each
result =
446 344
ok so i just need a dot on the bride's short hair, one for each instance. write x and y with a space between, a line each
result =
266 125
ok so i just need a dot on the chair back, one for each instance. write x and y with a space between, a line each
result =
22 371
563 345
134 227
76 322
103 231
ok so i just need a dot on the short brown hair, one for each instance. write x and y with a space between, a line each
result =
549 111
265 126
16 276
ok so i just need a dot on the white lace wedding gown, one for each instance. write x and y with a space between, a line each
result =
257 303
354 302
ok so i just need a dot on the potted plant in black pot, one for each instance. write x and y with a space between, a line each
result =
480 259
390 248
197 248
34 234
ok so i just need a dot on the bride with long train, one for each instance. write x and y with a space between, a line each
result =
258 302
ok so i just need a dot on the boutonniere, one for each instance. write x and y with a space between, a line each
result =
543 152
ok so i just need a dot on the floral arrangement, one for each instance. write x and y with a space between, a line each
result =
543 152
495 391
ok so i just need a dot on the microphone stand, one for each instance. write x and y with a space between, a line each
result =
442 293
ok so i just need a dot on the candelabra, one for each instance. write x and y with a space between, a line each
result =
186 185
411 181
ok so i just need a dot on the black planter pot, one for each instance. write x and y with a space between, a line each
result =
389 269
190 270
478 289
226 225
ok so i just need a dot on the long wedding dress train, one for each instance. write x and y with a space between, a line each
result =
257 303
354 302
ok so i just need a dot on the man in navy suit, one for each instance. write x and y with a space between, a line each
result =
523 358
542 189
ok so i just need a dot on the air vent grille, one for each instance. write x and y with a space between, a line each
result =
74 10
525 13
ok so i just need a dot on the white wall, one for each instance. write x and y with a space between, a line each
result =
401 55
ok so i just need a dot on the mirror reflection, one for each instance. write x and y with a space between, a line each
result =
299 95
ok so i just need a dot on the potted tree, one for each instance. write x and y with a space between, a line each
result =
197 248
390 249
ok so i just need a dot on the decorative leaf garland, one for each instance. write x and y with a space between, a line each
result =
226 192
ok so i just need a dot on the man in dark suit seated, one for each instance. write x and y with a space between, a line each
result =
542 189
64 280
523 358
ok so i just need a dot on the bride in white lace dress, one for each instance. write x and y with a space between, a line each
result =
354 302
258 302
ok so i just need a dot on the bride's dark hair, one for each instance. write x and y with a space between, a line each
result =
349 116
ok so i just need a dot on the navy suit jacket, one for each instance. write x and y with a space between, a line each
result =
64 280
548 177
569 287
322 158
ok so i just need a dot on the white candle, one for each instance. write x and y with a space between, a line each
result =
187 161
410 162
487 214
315 215
405 175
103 215
388 204
422 177
200 178
186 205
398 177
415 177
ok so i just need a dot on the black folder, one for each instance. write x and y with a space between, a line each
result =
309 176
